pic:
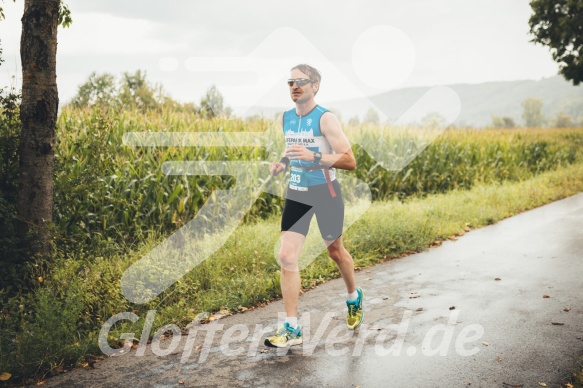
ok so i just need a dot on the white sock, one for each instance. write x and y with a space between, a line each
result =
352 297
292 321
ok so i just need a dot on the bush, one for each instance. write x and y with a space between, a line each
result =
11 252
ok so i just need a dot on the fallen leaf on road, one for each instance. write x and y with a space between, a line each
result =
375 328
558 323
180 381
542 384
419 309
198 347
263 350
5 376
485 343
40 383
569 385
497 279
499 359
567 309
546 296
452 308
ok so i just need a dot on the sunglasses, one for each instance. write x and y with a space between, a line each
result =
299 81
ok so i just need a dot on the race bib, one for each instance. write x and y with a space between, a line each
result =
298 179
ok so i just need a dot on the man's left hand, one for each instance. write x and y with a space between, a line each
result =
298 152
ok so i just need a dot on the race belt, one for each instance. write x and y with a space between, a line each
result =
298 179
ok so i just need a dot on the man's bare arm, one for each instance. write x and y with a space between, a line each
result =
276 167
343 157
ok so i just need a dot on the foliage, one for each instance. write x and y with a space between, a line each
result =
532 113
212 105
558 24
35 340
113 204
9 140
130 91
433 120
9 179
65 18
137 93
577 375
503 122
84 289
563 120
371 117
105 190
100 90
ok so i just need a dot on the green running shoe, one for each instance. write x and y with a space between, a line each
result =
355 313
285 336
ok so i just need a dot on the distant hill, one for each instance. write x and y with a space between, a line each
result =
479 101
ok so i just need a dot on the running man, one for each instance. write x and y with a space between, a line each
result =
316 146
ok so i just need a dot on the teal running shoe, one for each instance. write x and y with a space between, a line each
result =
285 336
355 313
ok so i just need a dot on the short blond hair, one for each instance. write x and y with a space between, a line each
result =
312 72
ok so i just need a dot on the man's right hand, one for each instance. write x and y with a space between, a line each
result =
276 167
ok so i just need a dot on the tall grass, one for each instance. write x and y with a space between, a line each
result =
113 204
57 324
105 190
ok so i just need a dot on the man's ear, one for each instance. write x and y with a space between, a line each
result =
317 84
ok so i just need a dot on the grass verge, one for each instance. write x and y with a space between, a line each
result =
575 380
243 273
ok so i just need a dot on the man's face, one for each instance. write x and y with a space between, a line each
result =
300 94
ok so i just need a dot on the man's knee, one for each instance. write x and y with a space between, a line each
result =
336 252
288 260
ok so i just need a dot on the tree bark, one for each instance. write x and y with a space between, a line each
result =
38 115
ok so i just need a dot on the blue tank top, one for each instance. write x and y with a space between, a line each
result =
305 131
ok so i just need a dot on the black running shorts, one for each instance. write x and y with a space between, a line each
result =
300 206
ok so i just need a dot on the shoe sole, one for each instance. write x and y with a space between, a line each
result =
293 342
362 318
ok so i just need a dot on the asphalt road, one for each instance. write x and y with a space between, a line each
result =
435 319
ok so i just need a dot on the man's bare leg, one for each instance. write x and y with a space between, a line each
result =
354 297
291 245
344 261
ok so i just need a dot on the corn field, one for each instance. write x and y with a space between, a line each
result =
107 189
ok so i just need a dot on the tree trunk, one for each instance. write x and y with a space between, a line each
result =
38 114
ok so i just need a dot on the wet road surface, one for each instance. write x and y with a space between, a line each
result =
435 319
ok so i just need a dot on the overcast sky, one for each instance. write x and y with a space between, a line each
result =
247 47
